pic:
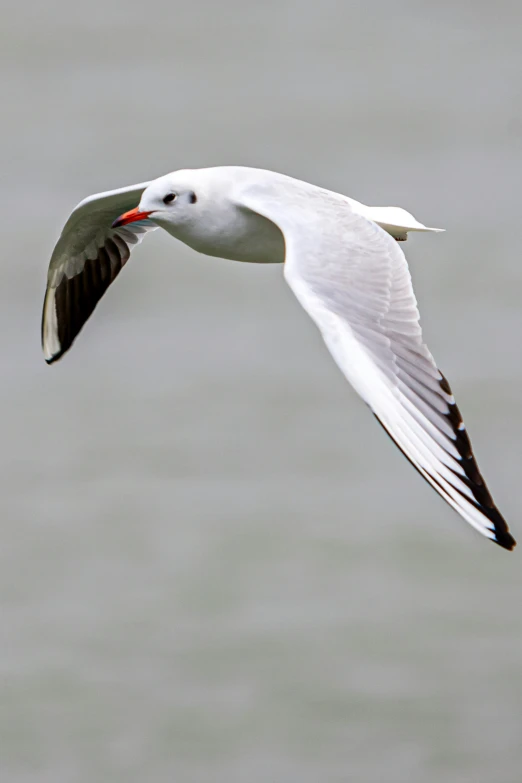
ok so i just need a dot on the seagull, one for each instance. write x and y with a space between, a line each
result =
342 261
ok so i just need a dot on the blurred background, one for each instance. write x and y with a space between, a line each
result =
214 565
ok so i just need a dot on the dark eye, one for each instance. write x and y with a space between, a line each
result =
192 198
169 198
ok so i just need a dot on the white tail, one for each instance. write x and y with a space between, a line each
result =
395 220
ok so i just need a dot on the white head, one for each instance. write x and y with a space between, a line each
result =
202 208
174 199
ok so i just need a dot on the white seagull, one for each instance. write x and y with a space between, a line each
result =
343 263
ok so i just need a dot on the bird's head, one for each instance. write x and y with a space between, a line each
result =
169 201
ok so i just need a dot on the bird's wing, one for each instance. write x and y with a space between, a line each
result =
354 281
87 258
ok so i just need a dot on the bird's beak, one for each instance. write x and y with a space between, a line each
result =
130 217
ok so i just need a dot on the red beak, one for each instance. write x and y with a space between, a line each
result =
130 217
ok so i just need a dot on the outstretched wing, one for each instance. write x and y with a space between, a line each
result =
87 258
353 280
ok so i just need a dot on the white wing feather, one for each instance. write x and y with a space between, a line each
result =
353 280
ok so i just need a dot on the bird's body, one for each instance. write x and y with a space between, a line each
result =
343 264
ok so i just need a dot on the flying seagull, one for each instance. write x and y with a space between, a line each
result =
343 262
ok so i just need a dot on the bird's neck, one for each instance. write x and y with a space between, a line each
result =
238 235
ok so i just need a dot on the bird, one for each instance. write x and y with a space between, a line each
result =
342 260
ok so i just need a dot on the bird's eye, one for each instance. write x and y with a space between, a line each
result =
192 198
169 198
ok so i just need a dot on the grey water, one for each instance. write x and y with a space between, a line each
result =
214 567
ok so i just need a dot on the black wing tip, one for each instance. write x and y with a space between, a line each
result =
500 530
505 540
53 359
483 500
76 297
